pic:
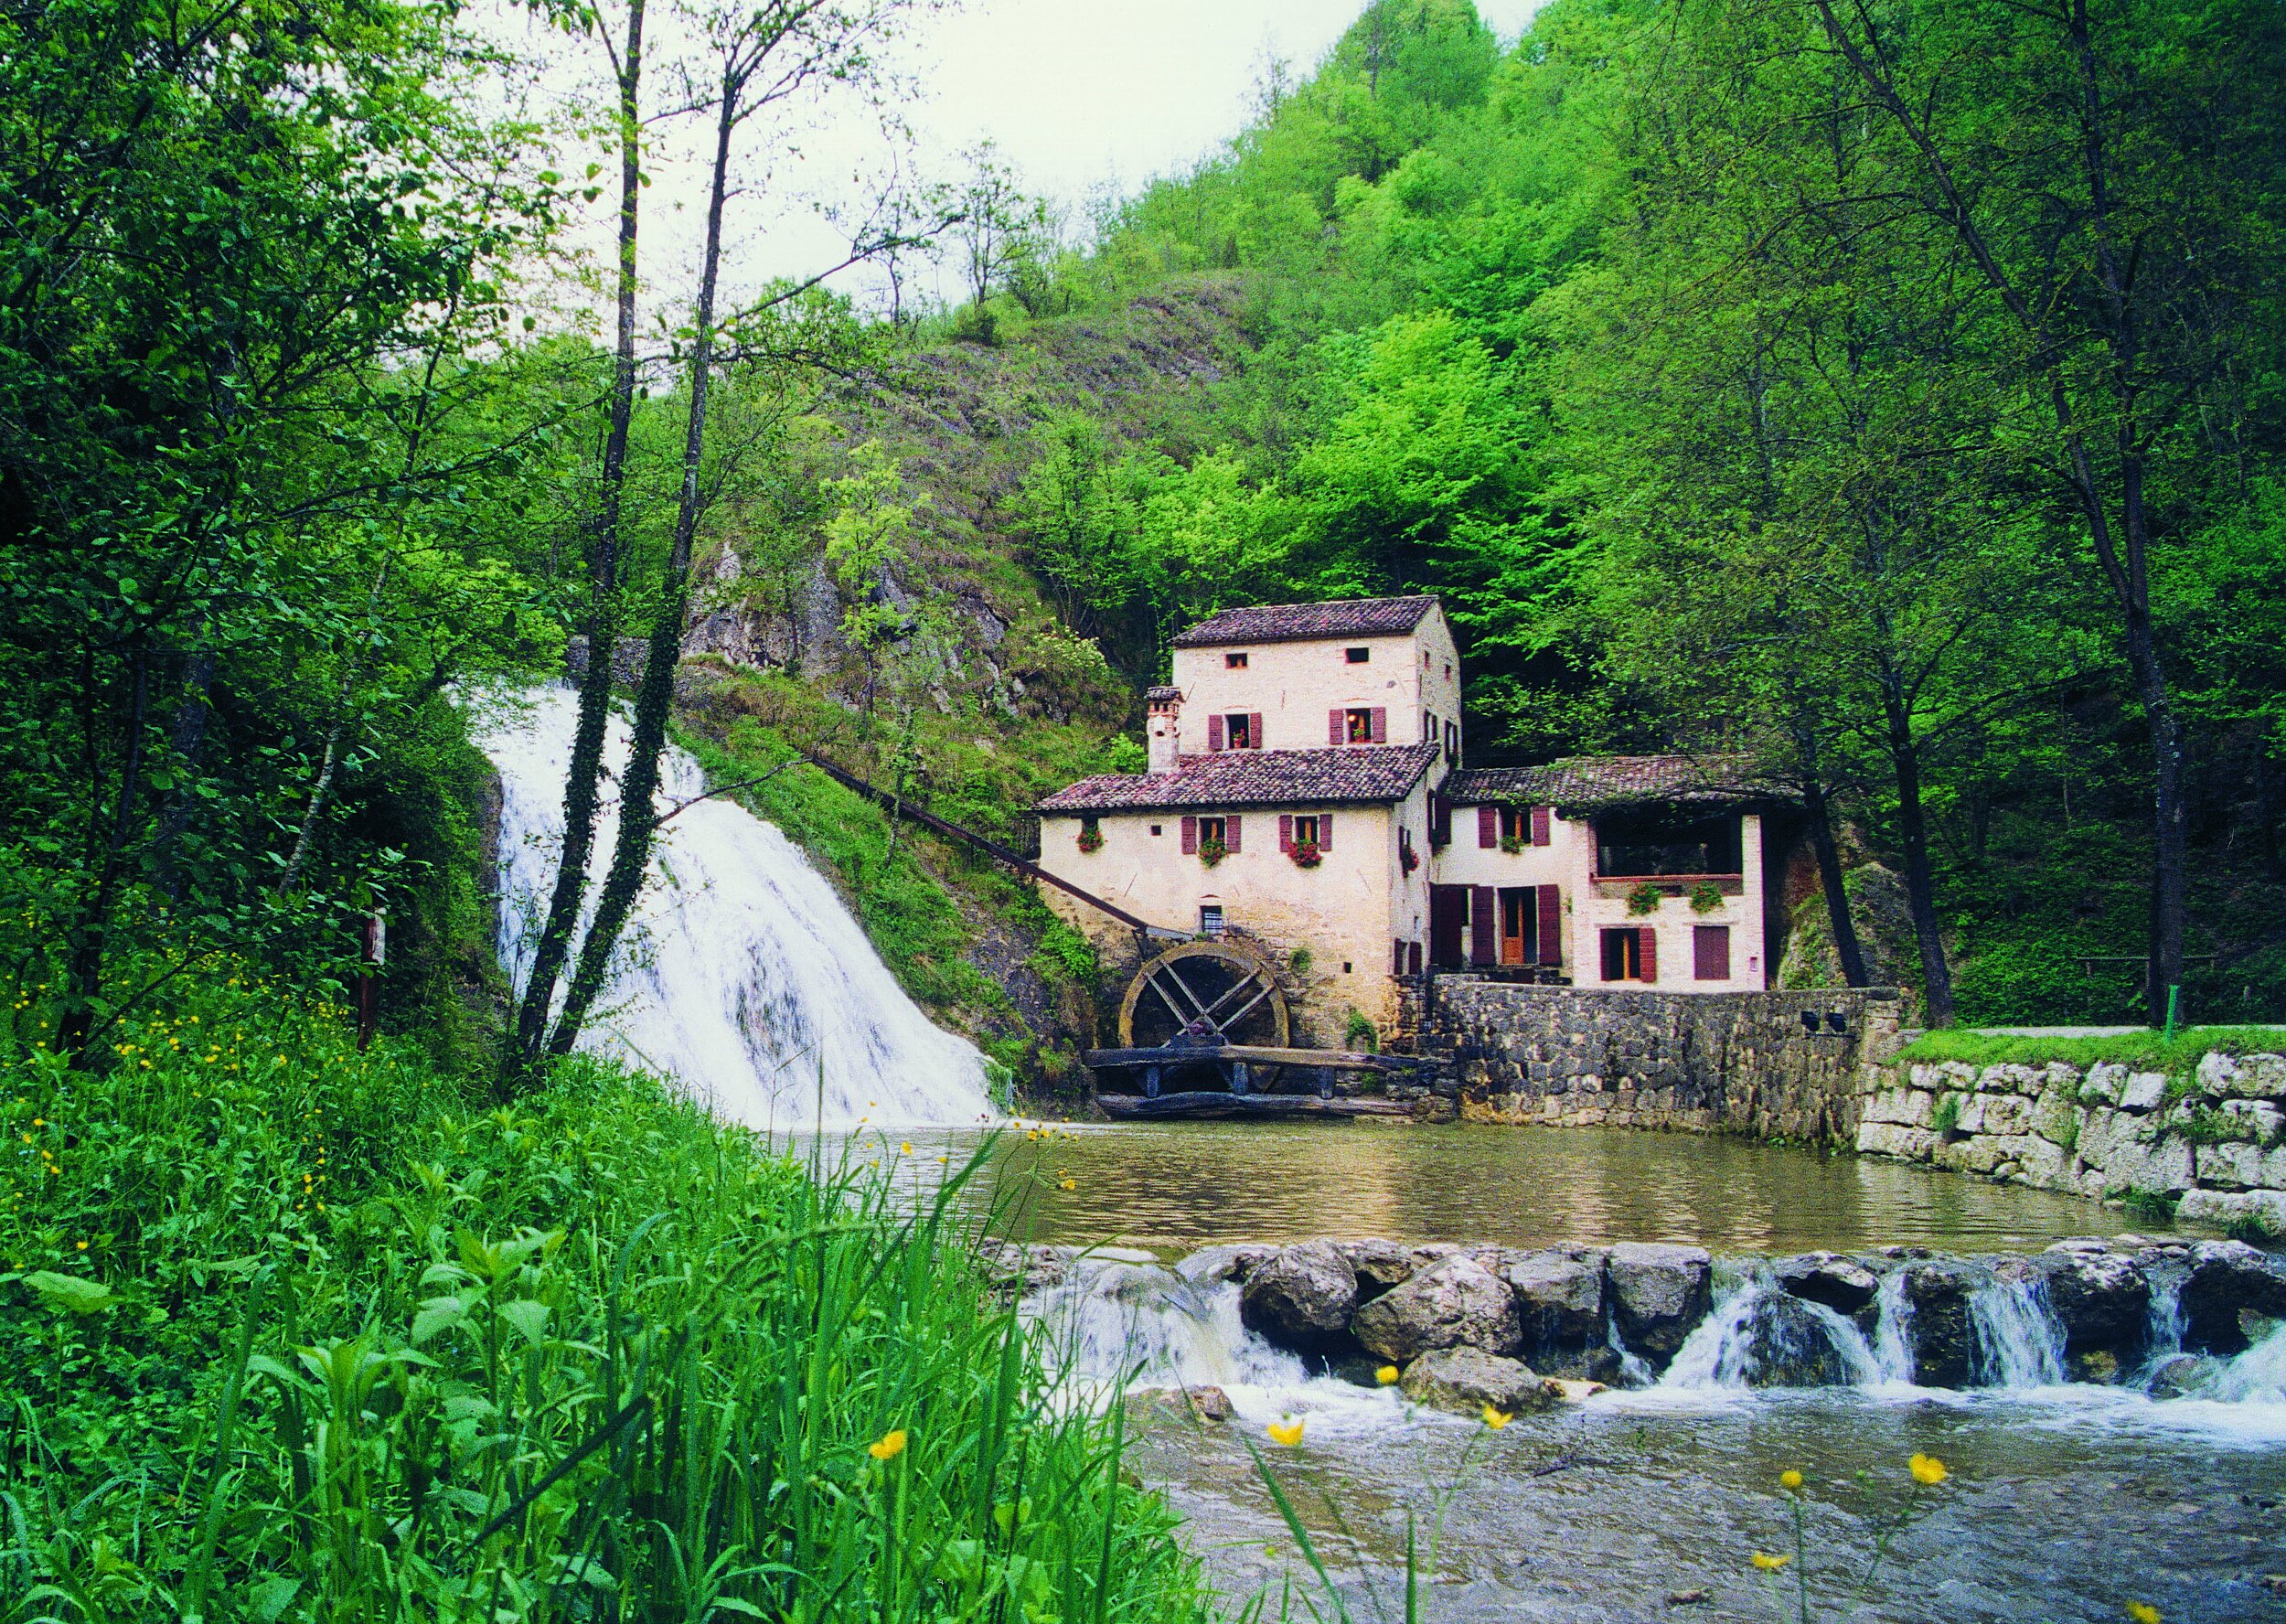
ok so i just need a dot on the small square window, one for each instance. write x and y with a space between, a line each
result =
1154 829
1357 656
1306 830
1345 966
1237 662
1211 919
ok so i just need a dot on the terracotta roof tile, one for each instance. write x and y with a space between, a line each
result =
1255 779
1589 782
1300 623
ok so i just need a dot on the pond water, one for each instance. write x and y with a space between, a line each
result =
1170 1188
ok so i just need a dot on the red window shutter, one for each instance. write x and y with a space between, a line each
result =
1381 724
1487 828
1647 939
1325 831
1191 837
1551 925
1254 731
1710 952
1213 732
1397 957
1484 925
1230 833
1334 733
1286 831
1413 957
1539 826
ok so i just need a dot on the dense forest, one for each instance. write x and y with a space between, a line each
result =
1894 394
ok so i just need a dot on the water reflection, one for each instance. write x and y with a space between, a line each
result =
1173 1187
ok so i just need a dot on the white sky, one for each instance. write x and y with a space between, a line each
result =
1078 95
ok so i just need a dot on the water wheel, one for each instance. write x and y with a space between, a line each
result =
1201 996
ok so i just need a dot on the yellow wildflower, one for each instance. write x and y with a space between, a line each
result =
891 1445
1068 1185
1790 1478
904 1148
2143 1612
1496 1419
1928 1469
1386 1374
1769 1563
1289 1433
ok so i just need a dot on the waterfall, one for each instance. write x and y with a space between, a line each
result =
1760 1336
2018 1341
740 975
1113 1323
1893 1330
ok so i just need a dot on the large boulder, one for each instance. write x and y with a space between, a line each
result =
1791 1344
1465 1379
2100 1299
1210 1265
1559 1294
1381 1266
1938 1326
1301 1298
1658 1293
1457 1302
1829 1278
2227 1277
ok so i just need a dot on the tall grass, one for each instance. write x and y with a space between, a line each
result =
2144 1051
291 1332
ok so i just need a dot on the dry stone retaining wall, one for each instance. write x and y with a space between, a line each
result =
2216 1141
1738 1061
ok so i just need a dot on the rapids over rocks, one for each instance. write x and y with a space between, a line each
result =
740 975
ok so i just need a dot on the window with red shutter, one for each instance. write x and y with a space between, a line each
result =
1540 826
1381 724
1648 945
1551 925
1214 733
1337 731
1487 828
1230 834
1191 837
1286 832
1484 932
1325 831
1254 729
1709 953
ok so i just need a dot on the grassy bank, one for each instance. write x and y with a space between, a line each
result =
2142 1051
291 1332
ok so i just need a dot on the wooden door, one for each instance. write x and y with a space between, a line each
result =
1449 923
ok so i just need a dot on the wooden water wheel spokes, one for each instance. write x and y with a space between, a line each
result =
1202 996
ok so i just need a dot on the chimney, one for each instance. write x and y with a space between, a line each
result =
1163 732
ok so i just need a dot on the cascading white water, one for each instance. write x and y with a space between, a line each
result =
1116 1323
1893 1330
2018 1341
1756 1334
740 975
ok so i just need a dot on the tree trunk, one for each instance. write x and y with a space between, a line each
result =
584 779
1920 889
90 935
185 739
1829 880
631 852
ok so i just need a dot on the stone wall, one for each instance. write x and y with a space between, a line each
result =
1738 1061
2214 1140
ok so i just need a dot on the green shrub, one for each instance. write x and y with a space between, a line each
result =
1706 897
1946 1119
1361 1033
1300 961
2210 1127
1644 900
2151 1203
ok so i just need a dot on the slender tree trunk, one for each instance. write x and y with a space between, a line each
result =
631 852
1920 889
91 937
584 776
1829 880
185 741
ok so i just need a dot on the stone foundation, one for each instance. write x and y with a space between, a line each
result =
1700 1062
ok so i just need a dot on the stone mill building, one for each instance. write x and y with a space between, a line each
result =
1304 789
